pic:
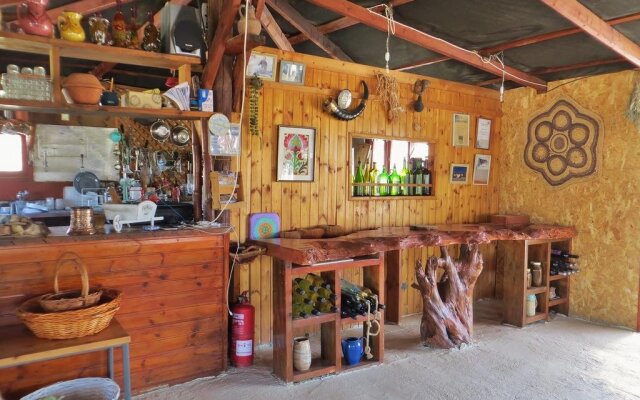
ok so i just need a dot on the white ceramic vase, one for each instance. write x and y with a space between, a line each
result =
301 354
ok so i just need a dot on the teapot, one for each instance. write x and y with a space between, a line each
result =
99 29
253 25
69 26
33 19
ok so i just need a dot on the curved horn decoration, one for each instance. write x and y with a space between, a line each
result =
331 107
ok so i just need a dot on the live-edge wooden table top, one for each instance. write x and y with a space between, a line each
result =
19 346
310 251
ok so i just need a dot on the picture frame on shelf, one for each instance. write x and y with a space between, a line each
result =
459 174
481 169
296 153
460 130
263 66
292 72
483 133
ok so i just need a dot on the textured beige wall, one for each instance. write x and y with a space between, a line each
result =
605 208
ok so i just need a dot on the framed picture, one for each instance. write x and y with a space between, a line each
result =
481 169
262 65
483 133
460 130
459 173
296 153
292 72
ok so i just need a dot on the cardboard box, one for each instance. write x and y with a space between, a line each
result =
141 100
205 100
506 219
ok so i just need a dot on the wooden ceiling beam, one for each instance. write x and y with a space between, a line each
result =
525 41
344 22
259 8
592 24
289 13
419 38
218 43
271 26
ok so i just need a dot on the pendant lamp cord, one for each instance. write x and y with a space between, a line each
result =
391 30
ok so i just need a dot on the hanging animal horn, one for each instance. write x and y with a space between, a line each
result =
331 106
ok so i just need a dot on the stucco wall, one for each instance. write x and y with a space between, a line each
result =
604 208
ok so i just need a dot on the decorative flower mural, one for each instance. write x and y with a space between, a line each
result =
562 142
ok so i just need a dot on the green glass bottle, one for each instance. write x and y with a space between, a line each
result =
394 179
417 172
326 307
305 285
301 299
367 179
383 179
308 309
359 178
404 178
373 174
298 311
426 177
412 178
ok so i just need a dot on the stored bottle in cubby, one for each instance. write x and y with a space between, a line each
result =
426 177
366 190
417 173
358 190
563 254
300 299
383 181
404 178
394 179
373 175
305 285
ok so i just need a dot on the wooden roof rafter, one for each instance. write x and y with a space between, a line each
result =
592 24
273 30
289 13
522 42
217 46
424 40
343 22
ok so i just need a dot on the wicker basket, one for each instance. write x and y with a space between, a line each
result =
70 299
79 389
70 324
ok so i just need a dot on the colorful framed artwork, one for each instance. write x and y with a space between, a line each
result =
483 133
481 169
263 66
459 173
296 153
460 130
292 72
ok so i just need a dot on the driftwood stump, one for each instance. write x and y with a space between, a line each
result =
447 304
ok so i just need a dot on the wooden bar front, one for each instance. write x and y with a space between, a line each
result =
173 305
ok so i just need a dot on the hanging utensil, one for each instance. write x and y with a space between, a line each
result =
85 179
160 131
180 135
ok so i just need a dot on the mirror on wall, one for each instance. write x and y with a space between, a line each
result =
383 168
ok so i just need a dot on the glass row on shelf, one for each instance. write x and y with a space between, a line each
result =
415 182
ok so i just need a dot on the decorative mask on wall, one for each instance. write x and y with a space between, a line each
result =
339 107
562 142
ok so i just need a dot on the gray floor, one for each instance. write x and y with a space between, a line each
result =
562 359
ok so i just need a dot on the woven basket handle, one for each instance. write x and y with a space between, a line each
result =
80 267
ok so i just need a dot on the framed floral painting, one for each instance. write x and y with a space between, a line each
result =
296 153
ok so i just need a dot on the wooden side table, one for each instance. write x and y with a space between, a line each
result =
20 346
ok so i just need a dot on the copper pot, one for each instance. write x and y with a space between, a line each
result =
81 221
83 88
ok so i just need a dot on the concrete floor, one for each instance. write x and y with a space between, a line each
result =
562 359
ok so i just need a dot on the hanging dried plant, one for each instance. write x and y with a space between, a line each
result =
255 84
633 111
389 92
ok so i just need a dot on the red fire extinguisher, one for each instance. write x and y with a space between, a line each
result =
242 320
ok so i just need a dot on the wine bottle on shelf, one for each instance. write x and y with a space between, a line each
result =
383 180
394 179
563 254
317 281
300 299
297 290
366 190
305 285
404 178
373 175
358 178
309 309
326 307
298 311
417 173
412 178
426 177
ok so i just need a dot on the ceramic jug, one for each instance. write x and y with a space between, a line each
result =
99 29
301 354
353 349
253 25
70 27
33 18
151 39
532 304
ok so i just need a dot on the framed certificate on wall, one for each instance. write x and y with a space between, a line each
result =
460 130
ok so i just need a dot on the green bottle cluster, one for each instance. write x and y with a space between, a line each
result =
356 300
311 295
406 182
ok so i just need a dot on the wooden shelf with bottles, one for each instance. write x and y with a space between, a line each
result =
514 257
389 186
330 324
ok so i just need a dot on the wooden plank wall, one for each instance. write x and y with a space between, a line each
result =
325 201
173 306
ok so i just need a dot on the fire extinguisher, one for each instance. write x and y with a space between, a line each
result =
242 320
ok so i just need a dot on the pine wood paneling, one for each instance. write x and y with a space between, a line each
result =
325 200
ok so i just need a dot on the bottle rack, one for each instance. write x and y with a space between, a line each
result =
330 324
515 256
374 186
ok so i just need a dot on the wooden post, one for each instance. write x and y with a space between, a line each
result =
55 73
392 286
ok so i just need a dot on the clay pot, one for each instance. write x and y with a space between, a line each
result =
301 354
83 88
253 25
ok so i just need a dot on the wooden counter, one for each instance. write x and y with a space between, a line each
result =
173 305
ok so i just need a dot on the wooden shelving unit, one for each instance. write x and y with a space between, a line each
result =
218 189
515 257
330 325
374 186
